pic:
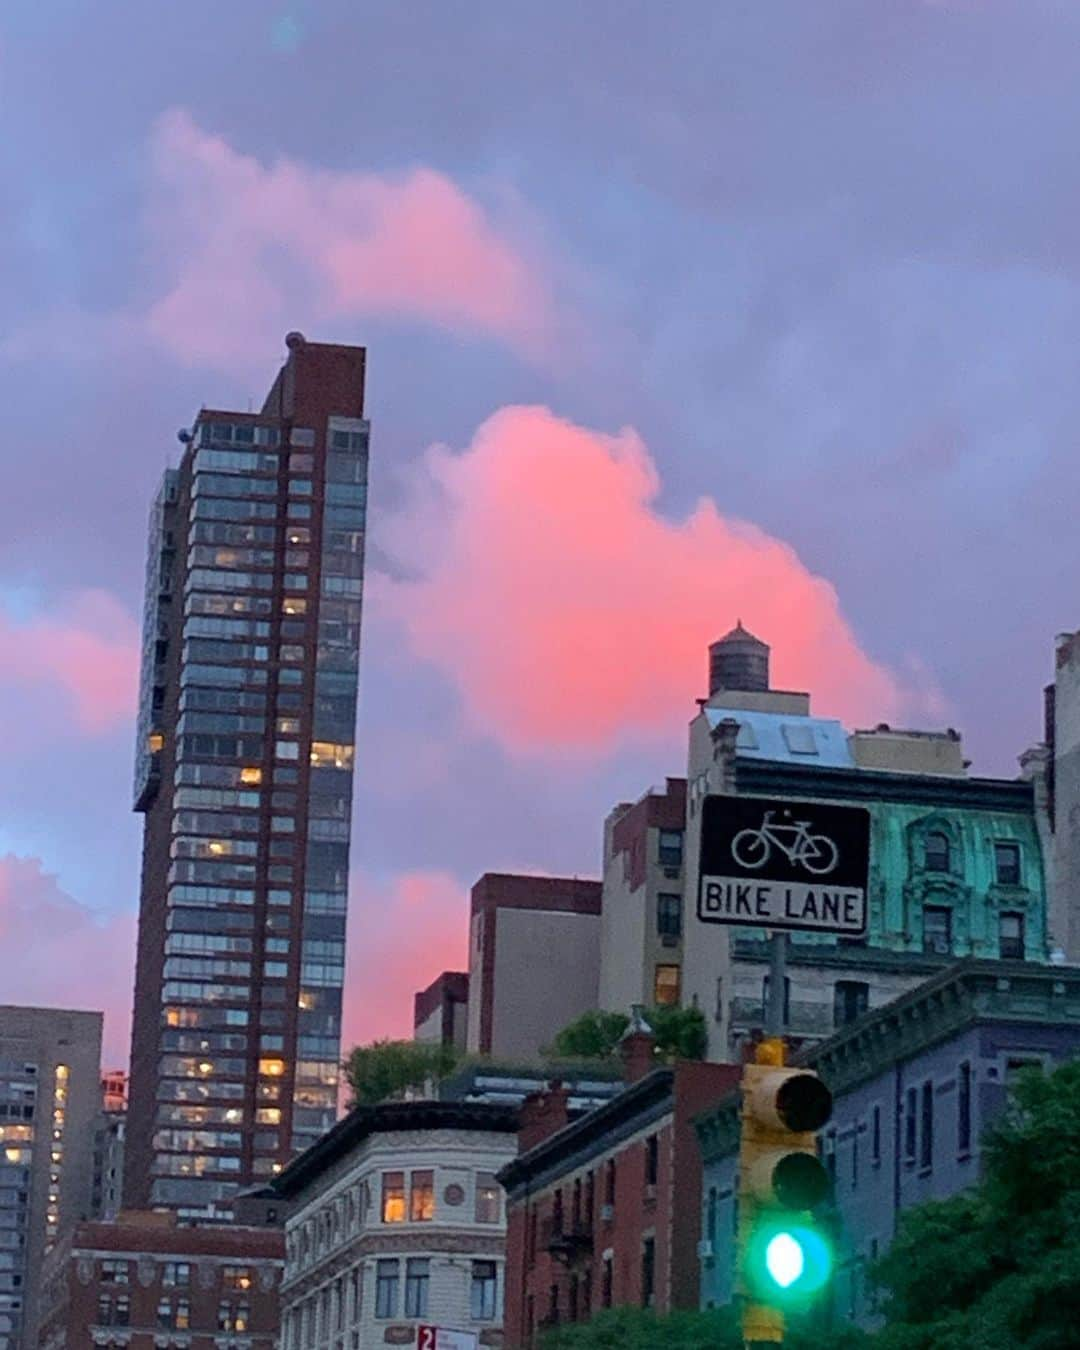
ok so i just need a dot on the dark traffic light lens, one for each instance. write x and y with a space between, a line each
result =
800 1181
804 1102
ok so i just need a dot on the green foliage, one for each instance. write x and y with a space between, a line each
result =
593 1035
999 1267
715 1329
387 1068
680 1034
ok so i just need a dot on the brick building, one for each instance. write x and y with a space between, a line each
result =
145 1284
605 1210
528 936
244 773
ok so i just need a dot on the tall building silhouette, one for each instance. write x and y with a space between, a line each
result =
244 772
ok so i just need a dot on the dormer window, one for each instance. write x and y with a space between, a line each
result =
937 852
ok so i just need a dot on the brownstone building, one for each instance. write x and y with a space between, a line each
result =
145 1284
244 774
605 1210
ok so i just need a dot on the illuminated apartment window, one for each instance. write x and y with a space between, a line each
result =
422 1196
393 1197
271 1068
666 985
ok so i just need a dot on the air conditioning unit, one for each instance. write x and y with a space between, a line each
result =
704 1249
607 1213
672 873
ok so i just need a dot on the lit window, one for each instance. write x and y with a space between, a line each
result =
393 1197
666 985
155 742
488 1198
325 754
422 1196
236 1277
268 1115
251 774
271 1068
294 604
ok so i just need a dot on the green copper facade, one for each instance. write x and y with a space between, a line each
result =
956 866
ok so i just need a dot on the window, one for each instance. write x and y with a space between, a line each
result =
652 1159
422 1197
786 1012
607 1282
182 1316
1007 864
669 914
875 1137
1011 937
648 1272
609 1184
572 1299
666 986
236 1277
386 1287
488 1207
963 1108
669 852
122 1311
926 1150
417 1269
165 1312
393 1197
114 1272
557 1212
937 930
104 1310
482 1291
937 852
855 1158
176 1275
851 999
910 1125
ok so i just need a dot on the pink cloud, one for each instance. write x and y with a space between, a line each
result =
270 246
571 614
88 649
404 931
59 953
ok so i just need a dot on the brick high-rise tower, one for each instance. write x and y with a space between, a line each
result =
244 772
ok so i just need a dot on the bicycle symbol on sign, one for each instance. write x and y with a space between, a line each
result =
816 852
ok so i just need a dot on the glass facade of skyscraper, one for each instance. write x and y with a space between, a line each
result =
244 769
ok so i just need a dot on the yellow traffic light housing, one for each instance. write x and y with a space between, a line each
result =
783 1258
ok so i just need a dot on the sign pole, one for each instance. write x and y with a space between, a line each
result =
775 1022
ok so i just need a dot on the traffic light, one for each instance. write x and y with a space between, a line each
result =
784 1258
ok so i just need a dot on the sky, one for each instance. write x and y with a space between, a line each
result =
676 314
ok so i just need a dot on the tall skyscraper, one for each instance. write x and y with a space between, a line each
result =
244 772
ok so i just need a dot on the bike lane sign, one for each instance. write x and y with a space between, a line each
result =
778 863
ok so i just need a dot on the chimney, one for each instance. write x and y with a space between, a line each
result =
542 1114
637 1047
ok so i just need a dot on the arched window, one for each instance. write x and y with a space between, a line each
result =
937 851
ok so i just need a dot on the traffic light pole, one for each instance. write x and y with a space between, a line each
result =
774 1007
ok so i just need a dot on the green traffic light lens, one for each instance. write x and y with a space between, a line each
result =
786 1262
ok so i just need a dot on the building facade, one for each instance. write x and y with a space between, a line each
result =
142 1283
915 1084
441 1011
642 916
50 1098
603 1211
397 1221
529 936
244 773
956 863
